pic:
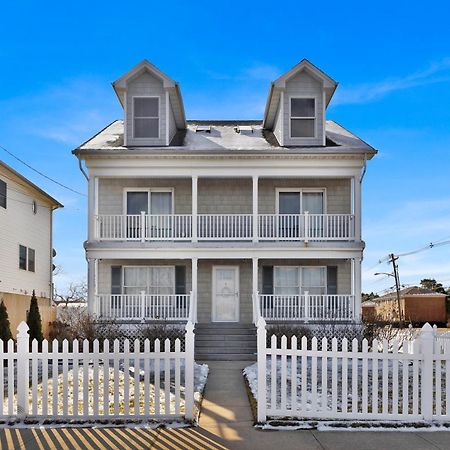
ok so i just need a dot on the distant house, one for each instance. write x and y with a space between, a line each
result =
418 305
26 247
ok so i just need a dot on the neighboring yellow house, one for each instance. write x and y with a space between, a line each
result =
26 247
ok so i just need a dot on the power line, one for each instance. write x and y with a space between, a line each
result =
42 174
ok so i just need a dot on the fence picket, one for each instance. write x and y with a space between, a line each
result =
334 377
365 377
294 373
313 373
355 376
385 379
324 370
304 379
167 377
106 381
344 361
375 376
283 389
394 385
75 377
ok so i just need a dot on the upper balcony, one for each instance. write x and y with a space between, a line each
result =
205 209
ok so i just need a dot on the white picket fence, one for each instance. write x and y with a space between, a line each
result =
152 380
347 380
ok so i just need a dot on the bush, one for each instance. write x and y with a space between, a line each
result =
34 321
161 331
5 327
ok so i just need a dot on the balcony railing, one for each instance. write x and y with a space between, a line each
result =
144 307
226 227
306 307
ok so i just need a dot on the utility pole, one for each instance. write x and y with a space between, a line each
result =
393 259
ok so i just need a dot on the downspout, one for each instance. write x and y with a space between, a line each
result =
363 172
82 169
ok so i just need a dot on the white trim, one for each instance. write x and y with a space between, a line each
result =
149 191
237 296
125 121
167 118
300 191
281 117
315 116
324 119
159 117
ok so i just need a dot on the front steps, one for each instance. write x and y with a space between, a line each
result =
225 342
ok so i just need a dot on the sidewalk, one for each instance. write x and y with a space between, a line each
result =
225 423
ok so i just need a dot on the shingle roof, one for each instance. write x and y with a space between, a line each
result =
413 290
224 136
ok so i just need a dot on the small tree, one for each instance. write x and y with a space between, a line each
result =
34 321
5 327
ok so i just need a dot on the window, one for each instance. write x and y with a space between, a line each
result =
151 280
27 258
146 117
297 201
2 194
295 280
303 117
22 257
31 260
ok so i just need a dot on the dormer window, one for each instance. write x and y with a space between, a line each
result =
303 117
146 117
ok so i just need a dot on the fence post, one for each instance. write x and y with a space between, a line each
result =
306 306
261 358
426 349
142 304
143 226
306 216
189 371
23 354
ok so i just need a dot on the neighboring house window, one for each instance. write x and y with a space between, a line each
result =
151 280
27 258
146 117
31 260
294 280
22 257
2 194
303 117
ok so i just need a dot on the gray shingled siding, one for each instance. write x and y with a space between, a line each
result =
224 196
146 85
303 85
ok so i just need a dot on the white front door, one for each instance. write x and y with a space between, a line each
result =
225 298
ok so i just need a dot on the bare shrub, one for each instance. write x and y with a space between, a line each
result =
161 331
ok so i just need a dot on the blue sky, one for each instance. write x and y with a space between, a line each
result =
392 60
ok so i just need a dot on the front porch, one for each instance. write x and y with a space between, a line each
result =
226 291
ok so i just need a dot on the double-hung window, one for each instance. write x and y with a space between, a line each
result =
146 117
158 280
295 280
303 117
27 258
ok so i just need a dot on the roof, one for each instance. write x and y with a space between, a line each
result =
172 86
225 136
52 200
413 290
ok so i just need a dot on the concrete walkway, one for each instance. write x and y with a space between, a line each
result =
225 423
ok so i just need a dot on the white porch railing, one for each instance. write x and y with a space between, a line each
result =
306 226
144 306
226 227
306 307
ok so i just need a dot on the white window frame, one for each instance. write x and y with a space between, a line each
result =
278 190
149 191
314 97
147 267
300 276
150 117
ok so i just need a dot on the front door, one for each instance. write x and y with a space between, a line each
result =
225 298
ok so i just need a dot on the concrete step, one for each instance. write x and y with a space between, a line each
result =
225 357
223 345
226 340
224 331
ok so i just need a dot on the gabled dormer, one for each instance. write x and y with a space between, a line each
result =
153 106
295 108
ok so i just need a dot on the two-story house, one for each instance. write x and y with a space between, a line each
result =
26 248
224 221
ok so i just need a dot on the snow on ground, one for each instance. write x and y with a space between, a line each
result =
65 391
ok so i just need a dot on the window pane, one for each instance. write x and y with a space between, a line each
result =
289 203
146 107
31 259
2 194
161 203
312 202
313 280
302 127
146 128
286 280
302 107
22 257
137 202
135 277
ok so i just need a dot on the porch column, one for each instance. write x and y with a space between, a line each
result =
194 207
194 278
356 287
255 289
92 288
255 208
92 206
356 188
